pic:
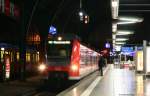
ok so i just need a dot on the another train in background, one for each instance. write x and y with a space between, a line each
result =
10 67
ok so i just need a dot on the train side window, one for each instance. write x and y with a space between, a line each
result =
17 56
2 55
27 57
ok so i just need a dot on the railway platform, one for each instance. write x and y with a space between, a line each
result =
115 82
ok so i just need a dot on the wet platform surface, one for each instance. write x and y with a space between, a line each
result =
115 82
122 82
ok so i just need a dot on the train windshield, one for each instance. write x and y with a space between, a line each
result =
59 54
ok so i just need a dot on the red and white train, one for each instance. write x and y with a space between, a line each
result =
69 59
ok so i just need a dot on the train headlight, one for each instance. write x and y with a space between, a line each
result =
42 67
74 67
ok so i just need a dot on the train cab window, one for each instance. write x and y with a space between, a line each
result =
59 50
63 52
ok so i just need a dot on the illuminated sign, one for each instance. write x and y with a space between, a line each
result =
107 45
127 49
139 48
52 30
59 42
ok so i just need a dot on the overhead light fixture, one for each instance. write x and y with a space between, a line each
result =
121 39
115 5
114 36
114 41
124 32
129 20
123 23
120 43
114 27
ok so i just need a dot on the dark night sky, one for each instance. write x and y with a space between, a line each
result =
64 15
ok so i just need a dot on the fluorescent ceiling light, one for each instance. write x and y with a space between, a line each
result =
123 23
121 39
114 27
114 41
124 32
131 19
120 43
114 3
114 36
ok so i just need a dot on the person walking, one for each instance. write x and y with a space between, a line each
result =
101 64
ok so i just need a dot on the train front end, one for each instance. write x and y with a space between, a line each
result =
58 59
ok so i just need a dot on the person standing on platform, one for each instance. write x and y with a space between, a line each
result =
101 64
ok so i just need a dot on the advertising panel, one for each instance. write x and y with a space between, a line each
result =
147 59
139 60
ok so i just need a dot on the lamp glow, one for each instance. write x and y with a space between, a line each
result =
42 67
131 19
59 38
80 13
2 49
74 67
114 4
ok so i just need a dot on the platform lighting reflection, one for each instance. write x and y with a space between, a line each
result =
124 32
121 39
140 85
75 92
147 87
